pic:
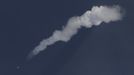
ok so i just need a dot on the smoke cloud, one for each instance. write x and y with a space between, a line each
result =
96 16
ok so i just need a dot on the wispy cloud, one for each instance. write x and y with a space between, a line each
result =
95 16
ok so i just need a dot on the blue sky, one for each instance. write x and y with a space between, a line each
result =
104 50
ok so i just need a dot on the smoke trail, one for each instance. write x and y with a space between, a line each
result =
96 16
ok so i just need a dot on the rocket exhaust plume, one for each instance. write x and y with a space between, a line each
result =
96 16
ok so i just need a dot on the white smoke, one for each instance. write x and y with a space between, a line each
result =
96 16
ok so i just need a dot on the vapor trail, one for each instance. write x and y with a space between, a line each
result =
96 16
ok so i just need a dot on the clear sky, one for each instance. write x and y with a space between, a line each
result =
107 49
